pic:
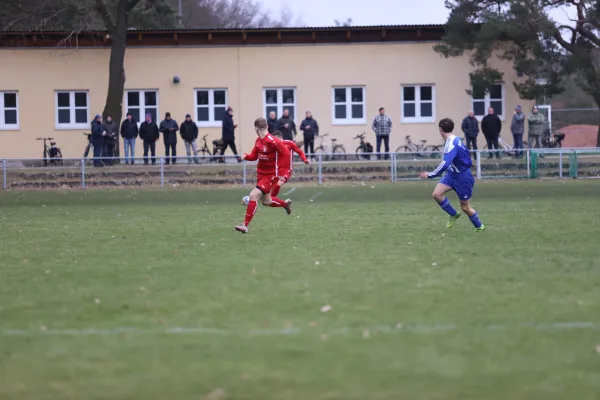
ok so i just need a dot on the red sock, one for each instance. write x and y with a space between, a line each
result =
275 190
250 211
275 202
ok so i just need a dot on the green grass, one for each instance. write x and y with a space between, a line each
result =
511 313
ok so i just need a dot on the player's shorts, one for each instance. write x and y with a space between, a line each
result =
265 183
461 183
285 174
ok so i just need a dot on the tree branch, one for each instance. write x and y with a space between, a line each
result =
103 11
566 45
131 5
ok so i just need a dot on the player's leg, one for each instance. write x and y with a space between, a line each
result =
439 195
254 196
465 206
464 190
277 187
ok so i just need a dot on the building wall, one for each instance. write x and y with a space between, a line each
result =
244 71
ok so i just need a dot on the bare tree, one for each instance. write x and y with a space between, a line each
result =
206 14
347 22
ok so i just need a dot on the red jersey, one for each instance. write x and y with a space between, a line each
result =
286 163
268 151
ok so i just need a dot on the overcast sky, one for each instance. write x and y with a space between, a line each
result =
369 12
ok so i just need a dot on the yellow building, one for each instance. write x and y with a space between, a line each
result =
342 75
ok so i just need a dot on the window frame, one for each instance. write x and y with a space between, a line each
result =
418 119
3 125
211 123
349 121
141 93
487 101
72 110
280 105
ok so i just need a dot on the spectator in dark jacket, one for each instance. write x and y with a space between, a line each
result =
272 122
129 132
149 134
382 126
98 135
491 127
287 126
189 134
310 127
169 130
470 127
229 133
517 128
110 140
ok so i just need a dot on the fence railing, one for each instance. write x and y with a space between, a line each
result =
324 168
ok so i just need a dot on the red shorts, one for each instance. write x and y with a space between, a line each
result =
285 174
265 182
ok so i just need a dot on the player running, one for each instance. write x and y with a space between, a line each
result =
458 178
267 150
284 165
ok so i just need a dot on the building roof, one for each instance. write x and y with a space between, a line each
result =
228 36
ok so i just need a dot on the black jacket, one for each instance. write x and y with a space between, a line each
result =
111 132
290 131
491 125
97 130
149 131
273 125
228 127
188 131
470 127
169 136
313 128
129 129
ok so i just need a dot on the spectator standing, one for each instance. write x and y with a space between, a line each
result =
470 127
169 130
272 122
149 134
110 140
287 126
310 127
189 134
229 133
517 128
536 128
129 132
98 135
382 126
491 127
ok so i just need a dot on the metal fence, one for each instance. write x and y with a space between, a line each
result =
324 168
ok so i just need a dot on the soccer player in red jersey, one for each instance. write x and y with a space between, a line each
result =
285 165
267 150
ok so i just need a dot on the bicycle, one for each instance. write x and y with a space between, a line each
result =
51 152
507 149
337 150
89 147
365 148
413 150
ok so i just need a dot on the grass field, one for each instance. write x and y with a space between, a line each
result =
152 295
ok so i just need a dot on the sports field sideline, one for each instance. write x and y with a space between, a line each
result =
361 294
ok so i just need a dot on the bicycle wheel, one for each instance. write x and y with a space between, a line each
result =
360 153
339 153
86 152
433 151
404 153
320 152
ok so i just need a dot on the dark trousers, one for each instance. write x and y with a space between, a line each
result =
386 143
229 143
108 153
492 144
472 143
518 144
171 148
149 145
309 144
97 155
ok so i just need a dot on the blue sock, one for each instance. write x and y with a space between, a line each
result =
446 206
475 220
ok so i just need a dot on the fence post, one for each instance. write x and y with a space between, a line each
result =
162 172
83 173
528 167
560 164
478 157
4 185
320 168
391 167
573 165
534 165
244 172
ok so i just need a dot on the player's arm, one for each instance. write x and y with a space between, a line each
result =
252 156
444 165
299 151
280 147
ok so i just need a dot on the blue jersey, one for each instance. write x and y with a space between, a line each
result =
457 159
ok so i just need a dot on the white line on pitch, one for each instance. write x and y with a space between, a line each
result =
315 196
383 329
292 190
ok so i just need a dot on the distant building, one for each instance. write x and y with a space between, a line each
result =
342 74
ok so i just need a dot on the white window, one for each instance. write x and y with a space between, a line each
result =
279 99
483 101
349 105
9 110
418 103
210 106
72 109
142 102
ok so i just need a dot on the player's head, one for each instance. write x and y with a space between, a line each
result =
446 126
260 125
278 134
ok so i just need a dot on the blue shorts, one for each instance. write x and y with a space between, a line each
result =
461 183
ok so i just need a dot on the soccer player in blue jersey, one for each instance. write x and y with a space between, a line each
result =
457 162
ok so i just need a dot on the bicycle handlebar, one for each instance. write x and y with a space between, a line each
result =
361 136
407 137
45 138
204 137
